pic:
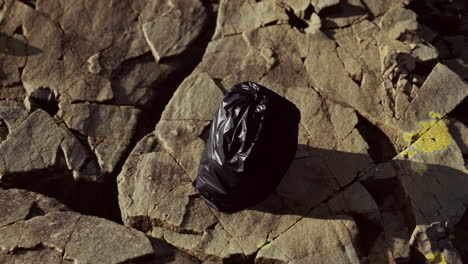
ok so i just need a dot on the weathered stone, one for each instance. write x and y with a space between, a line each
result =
109 129
116 243
393 100
459 132
314 24
171 33
191 102
378 8
351 64
42 230
319 237
13 53
321 4
355 199
37 143
424 53
457 66
79 59
344 14
395 230
12 116
19 204
137 80
239 16
40 255
299 6
441 81
398 20
323 61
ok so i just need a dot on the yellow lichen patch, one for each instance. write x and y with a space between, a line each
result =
431 136
438 258
408 154
266 243
436 138
418 166
424 126
435 115
262 243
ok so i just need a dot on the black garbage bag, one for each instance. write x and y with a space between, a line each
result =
252 141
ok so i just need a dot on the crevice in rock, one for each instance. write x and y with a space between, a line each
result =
404 200
381 149
38 247
70 236
43 98
31 3
19 30
4 131
460 112
295 21
424 68
34 211
142 223
204 134
160 223
90 198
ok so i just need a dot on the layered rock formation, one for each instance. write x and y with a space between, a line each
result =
105 97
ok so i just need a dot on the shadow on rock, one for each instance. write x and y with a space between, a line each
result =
85 197
343 9
14 47
397 195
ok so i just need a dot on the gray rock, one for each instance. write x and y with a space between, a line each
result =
240 16
172 32
378 8
331 241
440 79
96 240
398 20
321 4
36 145
108 128
43 230
19 204
459 132
193 92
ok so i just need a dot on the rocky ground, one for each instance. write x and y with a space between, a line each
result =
105 105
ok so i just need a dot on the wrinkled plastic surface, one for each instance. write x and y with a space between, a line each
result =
252 142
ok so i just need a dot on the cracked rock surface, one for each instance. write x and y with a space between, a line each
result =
105 106
35 228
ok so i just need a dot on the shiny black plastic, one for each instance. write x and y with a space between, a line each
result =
252 141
